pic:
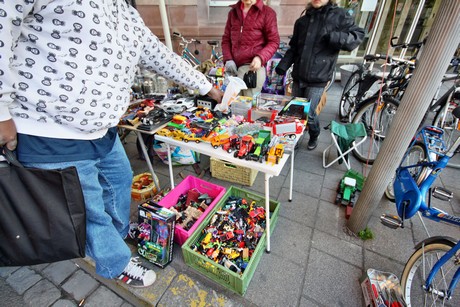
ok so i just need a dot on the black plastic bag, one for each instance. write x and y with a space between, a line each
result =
250 78
42 214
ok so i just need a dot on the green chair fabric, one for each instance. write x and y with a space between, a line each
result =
346 134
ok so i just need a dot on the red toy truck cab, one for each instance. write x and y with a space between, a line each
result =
246 147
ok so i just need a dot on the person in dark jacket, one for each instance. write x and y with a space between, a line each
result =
250 39
318 37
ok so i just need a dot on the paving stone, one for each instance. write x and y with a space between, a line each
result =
332 282
43 293
276 282
64 303
8 270
301 209
186 289
80 285
306 183
39 267
336 247
23 279
103 297
59 271
295 249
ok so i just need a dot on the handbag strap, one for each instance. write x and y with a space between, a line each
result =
10 157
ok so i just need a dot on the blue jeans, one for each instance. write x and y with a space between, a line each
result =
314 95
106 184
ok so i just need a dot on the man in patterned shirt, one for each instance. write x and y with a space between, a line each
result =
66 68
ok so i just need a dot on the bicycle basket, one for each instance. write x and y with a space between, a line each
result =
407 194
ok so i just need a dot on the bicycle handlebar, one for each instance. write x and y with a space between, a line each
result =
405 45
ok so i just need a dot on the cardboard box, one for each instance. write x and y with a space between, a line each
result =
155 233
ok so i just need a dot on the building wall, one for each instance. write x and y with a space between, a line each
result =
203 21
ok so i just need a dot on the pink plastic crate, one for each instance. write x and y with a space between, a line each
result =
213 190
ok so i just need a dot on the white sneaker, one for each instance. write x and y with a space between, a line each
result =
136 275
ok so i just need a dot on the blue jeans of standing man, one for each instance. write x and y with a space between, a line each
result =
314 95
106 184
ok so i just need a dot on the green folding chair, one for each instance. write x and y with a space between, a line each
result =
344 139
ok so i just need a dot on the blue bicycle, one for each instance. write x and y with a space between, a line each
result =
432 272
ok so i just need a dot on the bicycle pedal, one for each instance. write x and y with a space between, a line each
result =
442 194
391 221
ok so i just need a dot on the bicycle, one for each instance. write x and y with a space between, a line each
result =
186 54
432 272
216 58
361 84
378 111
444 118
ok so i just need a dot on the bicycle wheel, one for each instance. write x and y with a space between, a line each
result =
450 124
416 270
376 117
349 96
416 153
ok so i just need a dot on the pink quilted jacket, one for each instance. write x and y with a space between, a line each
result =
257 34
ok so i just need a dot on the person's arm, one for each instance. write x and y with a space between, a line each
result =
349 37
11 21
288 58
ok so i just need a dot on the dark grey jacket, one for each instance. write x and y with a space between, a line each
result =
318 37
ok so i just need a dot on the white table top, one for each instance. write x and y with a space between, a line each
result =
219 153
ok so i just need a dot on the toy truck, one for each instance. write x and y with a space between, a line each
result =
232 144
346 191
220 139
261 146
274 154
290 129
246 147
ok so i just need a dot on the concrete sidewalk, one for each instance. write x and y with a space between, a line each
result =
314 261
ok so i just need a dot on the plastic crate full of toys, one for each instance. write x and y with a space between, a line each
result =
228 244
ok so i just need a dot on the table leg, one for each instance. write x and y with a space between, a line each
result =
291 175
147 159
267 210
171 174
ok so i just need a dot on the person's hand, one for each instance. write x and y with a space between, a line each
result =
216 94
280 71
255 64
8 134
231 68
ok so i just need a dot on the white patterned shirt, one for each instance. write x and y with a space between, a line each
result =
66 66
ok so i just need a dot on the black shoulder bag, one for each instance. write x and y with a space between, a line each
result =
42 214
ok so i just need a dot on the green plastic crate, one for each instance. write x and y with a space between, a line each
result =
216 272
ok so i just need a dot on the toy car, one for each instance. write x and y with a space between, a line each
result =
191 137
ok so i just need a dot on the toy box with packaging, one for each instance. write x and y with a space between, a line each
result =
381 289
271 102
193 191
155 233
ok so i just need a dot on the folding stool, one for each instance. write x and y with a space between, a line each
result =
343 138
